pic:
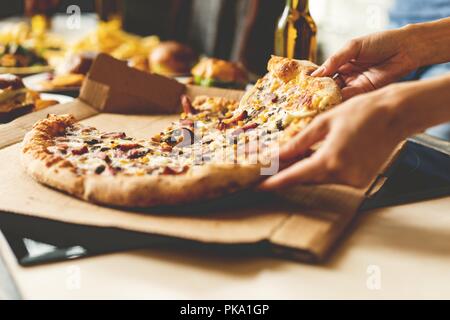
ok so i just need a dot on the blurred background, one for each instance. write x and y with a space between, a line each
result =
239 30
51 44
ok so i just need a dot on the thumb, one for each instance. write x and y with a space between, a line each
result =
310 170
300 144
349 52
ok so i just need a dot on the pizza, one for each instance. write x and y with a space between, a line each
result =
205 154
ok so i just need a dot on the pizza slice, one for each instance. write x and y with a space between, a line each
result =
287 98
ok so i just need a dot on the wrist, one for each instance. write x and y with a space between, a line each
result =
414 42
427 43
394 103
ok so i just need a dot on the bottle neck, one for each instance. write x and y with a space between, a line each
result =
298 5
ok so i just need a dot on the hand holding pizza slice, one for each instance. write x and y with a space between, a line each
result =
188 161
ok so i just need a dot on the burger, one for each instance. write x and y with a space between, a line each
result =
139 62
80 63
13 94
72 71
211 72
15 55
17 100
171 58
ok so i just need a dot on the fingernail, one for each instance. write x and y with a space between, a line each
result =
260 188
264 186
318 72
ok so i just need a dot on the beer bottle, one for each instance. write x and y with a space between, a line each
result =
40 12
110 10
296 32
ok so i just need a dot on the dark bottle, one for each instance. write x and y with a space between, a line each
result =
40 12
110 10
296 32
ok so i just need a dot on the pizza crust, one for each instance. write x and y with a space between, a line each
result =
210 181
287 69
41 164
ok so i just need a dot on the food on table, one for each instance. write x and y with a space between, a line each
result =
71 72
171 58
78 63
205 154
211 72
16 99
20 47
13 94
64 81
107 38
15 55
111 39
140 63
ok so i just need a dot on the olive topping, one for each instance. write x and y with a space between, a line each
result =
171 140
136 154
92 142
280 125
188 137
100 169
180 137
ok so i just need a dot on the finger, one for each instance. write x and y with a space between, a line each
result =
305 171
358 86
302 142
350 92
350 68
349 52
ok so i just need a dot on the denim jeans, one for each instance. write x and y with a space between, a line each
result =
441 131
415 11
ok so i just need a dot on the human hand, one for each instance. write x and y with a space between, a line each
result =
371 62
358 137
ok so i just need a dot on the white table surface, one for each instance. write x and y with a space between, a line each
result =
404 249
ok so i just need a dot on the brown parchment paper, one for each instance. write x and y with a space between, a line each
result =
303 223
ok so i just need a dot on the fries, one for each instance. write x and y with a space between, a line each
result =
21 34
109 38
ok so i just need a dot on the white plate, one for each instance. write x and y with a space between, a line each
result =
35 81
25 70
58 97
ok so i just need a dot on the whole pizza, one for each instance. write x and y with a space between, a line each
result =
217 146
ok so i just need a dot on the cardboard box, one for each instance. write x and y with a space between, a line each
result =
116 97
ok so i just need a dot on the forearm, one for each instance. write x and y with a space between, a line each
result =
418 105
429 42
